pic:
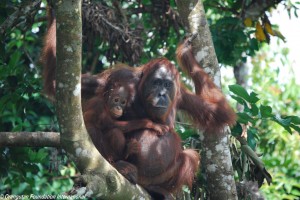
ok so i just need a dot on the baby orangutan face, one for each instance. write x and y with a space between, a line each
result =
118 100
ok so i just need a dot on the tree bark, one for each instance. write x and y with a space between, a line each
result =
103 181
29 139
216 158
240 71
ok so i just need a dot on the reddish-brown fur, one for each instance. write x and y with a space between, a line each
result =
209 108
106 131
49 55
163 166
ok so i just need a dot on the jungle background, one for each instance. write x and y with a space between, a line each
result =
258 78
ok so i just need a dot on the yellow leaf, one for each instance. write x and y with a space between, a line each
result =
259 33
269 29
278 34
248 22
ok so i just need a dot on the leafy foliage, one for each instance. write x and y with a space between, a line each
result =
29 171
247 133
232 41
279 148
252 112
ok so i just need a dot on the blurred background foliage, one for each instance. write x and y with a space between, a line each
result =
266 103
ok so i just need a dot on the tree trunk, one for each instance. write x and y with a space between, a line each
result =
216 158
102 180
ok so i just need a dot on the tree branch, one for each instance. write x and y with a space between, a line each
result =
103 181
29 139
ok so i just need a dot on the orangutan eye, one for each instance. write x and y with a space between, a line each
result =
167 84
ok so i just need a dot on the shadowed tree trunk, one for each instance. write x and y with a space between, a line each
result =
216 159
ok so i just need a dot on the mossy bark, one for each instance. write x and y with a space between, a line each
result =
216 158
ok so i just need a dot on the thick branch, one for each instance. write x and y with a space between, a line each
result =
29 139
103 181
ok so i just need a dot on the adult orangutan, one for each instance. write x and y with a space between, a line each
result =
163 166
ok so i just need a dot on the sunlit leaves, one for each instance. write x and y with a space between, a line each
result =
265 111
239 91
252 112
268 28
259 32
248 22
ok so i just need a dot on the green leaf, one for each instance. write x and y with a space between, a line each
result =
251 138
41 155
296 128
20 189
295 119
253 97
254 44
288 187
266 111
186 133
237 130
244 118
295 192
246 108
14 59
284 122
254 109
238 99
239 91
